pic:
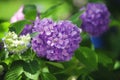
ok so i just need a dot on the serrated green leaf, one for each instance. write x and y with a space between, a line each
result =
15 71
17 27
30 12
13 74
87 57
32 67
48 76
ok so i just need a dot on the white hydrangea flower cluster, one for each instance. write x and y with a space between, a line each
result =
15 44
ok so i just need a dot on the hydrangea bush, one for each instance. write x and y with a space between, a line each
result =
38 47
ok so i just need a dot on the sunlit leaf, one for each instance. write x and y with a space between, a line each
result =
50 10
117 65
15 71
4 27
32 76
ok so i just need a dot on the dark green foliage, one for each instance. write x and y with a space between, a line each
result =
17 27
88 58
30 12
76 18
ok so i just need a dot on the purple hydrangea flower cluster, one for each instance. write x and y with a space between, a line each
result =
55 41
27 29
95 19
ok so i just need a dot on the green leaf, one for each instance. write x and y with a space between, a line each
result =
76 18
17 27
15 71
28 55
50 10
85 77
87 57
2 54
1 69
32 67
4 27
58 65
117 65
104 59
45 70
34 34
11 58
32 76
14 74
31 70
114 23
30 12
48 76
67 65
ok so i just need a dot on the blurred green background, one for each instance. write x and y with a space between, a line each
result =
67 7
65 10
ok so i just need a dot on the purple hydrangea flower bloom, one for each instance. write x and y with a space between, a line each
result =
95 19
55 41
27 29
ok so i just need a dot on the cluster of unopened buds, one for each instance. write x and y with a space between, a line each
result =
16 44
